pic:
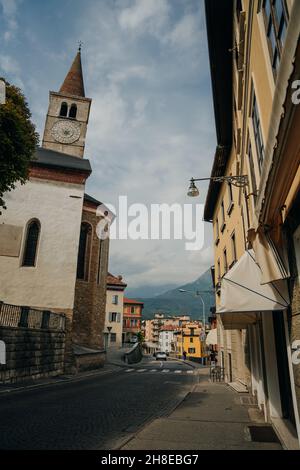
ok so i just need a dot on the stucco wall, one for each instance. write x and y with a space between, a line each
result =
51 283
116 327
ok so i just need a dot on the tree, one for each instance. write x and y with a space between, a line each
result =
140 337
18 140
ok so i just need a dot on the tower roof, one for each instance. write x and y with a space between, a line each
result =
73 83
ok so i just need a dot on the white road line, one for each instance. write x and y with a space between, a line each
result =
129 370
141 370
177 371
165 370
153 370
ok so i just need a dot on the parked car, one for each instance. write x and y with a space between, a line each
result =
161 356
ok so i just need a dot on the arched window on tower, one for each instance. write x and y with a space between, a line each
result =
73 111
31 244
84 251
64 110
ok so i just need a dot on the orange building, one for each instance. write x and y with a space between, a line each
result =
132 319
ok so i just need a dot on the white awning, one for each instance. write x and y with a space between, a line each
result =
234 321
241 290
273 264
212 337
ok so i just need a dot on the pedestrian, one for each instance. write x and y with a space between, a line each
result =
184 355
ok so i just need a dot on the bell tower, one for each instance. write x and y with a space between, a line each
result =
68 114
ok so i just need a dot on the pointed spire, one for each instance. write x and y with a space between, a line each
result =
73 83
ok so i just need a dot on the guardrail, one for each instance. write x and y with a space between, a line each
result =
26 317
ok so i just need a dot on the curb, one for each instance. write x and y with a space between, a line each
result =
63 379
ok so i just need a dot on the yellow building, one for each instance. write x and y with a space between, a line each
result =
254 56
189 339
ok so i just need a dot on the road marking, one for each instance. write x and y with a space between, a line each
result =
141 370
129 370
177 371
190 372
153 370
165 370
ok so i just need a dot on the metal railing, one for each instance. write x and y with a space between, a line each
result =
25 317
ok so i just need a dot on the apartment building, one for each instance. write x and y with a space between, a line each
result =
255 64
132 319
113 327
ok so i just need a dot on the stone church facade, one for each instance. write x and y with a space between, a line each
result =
50 255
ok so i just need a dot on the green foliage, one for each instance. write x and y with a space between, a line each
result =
140 337
18 139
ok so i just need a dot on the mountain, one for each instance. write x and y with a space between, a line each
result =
174 302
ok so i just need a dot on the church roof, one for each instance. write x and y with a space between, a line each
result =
73 83
52 158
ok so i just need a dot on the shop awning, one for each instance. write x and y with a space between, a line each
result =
212 337
242 292
234 321
273 264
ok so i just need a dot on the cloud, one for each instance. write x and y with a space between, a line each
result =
186 32
9 66
9 8
151 125
145 16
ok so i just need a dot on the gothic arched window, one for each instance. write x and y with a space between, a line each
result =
31 244
84 251
73 111
64 110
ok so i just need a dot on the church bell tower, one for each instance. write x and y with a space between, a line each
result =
68 114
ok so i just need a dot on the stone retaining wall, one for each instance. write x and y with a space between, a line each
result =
31 353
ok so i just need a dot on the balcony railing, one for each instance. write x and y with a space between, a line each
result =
26 317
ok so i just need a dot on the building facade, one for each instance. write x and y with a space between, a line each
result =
113 327
132 319
166 341
189 339
48 232
254 56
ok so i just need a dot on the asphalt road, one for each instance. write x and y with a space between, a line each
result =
95 412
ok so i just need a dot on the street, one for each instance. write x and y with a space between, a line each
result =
94 412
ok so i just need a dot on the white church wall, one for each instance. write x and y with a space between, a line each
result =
51 283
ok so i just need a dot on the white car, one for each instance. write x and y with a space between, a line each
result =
161 356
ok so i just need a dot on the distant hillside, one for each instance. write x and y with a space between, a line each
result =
174 302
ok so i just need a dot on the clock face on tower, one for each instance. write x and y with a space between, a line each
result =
66 132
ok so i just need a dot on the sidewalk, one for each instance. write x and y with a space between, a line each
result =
211 417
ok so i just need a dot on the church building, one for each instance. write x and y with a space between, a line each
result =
50 255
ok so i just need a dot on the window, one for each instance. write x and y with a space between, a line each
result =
233 247
114 317
115 299
113 337
276 20
132 310
225 261
191 340
252 171
84 251
192 331
31 244
217 231
223 217
219 270
63 110
73 111
239 8
230 197
191 350
257 132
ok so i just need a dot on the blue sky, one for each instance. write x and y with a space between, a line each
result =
151 126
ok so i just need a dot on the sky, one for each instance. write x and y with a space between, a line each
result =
151 128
